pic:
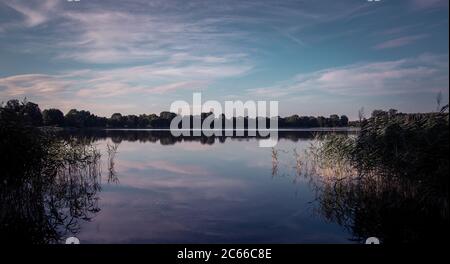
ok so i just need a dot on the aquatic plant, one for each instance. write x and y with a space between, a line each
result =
111 150
390 181
46 185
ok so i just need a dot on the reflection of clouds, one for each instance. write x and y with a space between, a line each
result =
165 174
139 222
187 183
195 146
166 166
161 201
208 197
181 218
260 164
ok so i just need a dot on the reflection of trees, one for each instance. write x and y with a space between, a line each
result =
164 137
47 187
394 209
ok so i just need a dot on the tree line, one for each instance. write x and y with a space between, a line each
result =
85 119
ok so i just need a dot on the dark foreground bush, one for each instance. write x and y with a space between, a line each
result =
46 184
398 186
414 146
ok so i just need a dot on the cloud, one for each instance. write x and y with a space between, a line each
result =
79 86
400 42
153 31
116 54
112 89
162 89
34 14
39 84
156 79
136 32
425 73
135 49
427 4
104 35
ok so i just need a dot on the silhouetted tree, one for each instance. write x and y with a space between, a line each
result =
131 121
344 120
28 111
116 120
82 119
165 118
32 111
53 117
13 105
334 120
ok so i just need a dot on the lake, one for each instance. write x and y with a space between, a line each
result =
162 189
143 186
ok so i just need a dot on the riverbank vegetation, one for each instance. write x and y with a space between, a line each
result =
390 181
413 146
47 185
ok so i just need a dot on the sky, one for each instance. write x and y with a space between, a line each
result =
316 57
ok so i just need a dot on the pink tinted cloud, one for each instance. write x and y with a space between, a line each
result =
171 87
400 42
33 84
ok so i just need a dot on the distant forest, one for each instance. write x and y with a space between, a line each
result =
84 119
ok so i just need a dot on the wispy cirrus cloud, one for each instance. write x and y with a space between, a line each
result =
135 32
400 42
112 89
123 37
152 31
156 79
76 88
135 49
143 80
43 84
427 4
33 13
165 88
425 73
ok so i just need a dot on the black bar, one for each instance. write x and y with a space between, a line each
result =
279 253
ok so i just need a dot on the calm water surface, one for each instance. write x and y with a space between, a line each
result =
160 191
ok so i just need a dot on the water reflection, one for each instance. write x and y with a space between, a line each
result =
45 196
164 137
198 189
395 210
201 190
